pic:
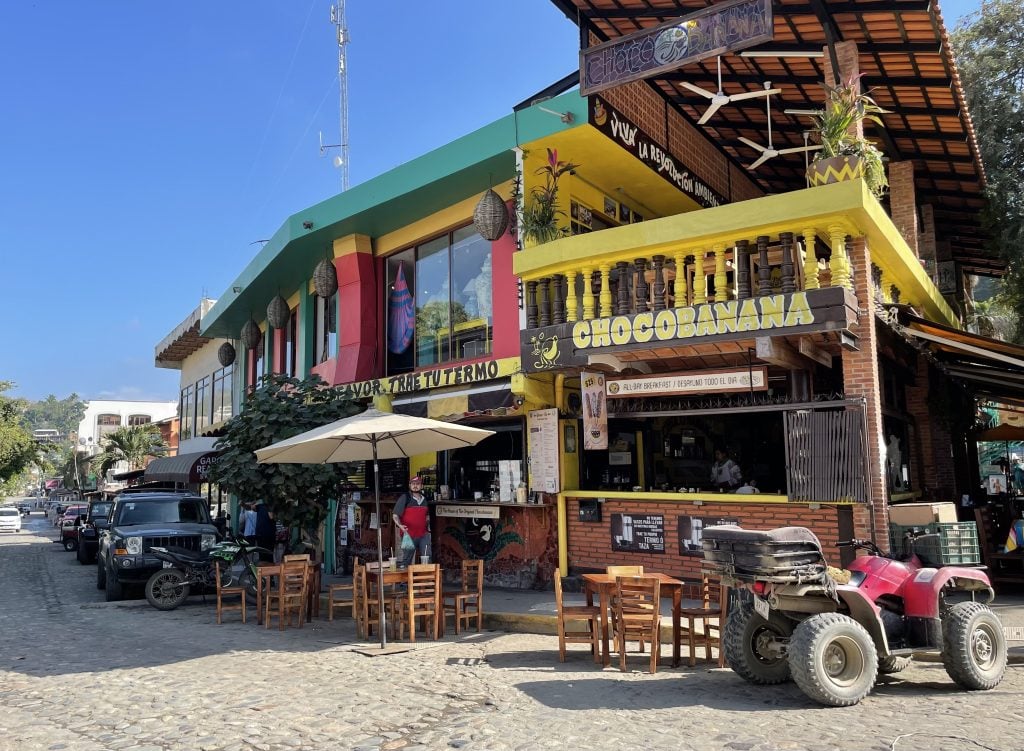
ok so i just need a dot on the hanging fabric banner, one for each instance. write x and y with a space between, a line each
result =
595 412
401 314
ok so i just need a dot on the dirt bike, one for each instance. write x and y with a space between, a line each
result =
184 570
833 632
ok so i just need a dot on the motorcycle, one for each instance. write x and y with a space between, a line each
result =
834 631
184 569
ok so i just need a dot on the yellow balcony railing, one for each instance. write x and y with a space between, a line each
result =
777 244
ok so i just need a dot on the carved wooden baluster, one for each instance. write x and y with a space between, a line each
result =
606 290
700 281
659 282
721 278
681 288
588 294
622 298
837 263
764 274
572 312
810 261
531 304
543 305
742 269
558 299
642 289
849 260
788 275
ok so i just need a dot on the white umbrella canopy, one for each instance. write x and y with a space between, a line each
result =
371 435
354 438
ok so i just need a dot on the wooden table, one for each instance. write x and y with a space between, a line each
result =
264 573
603 584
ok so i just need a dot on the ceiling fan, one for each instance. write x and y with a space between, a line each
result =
721 98
769 151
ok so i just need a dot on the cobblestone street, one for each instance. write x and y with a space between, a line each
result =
79 673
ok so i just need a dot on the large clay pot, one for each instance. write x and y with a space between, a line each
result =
835 169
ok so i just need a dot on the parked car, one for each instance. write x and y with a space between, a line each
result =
25 509
139 521
89 531
10 519
68 526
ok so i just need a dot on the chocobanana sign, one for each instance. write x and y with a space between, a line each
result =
568 345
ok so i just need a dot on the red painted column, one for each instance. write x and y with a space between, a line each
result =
277 362
505 298
357 317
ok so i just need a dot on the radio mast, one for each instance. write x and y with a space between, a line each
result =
338 19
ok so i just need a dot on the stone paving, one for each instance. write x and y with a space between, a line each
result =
79 673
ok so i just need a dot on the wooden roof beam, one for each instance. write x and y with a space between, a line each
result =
807 9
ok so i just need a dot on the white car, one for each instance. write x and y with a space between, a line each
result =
10 519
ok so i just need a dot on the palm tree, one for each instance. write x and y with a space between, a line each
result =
131 444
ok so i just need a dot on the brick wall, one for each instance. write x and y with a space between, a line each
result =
903 202
642 104
590 542
917 407
860 378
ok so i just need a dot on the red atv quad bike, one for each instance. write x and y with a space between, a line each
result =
834 638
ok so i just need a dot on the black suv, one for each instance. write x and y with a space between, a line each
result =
89 530
139 521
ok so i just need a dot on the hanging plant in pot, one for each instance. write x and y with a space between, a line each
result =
845 155
538 220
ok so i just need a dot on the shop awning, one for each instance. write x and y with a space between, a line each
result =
184 468
492 399
988 367
132 474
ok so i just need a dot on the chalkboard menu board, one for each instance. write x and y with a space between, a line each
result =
638 534
394 474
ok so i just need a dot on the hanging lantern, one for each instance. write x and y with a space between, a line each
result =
325 278
490 217
251 334
278 313
226 354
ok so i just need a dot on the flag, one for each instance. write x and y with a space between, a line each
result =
1015 540
401 314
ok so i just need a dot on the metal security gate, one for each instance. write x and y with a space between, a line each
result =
825 455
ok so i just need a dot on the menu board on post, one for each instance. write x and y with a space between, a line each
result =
638 533
542 425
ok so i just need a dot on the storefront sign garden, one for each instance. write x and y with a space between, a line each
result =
569 344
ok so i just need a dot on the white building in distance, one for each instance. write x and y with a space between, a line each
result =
104 416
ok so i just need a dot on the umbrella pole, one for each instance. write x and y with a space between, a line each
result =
380 550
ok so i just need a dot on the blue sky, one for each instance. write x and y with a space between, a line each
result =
148 147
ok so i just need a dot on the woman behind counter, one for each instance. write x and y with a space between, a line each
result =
725 473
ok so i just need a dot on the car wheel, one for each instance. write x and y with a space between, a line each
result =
101 575
115 590
70 544
80 554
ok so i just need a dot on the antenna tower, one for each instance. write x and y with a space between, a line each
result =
338 19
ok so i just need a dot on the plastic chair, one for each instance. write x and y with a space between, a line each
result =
589 615
422 599
711 613
466 604
222 591
636 616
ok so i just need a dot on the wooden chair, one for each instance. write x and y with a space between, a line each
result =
312 585
222 591
422 599
349 602
290 595
713 598
636 616
625 571
367 610
589 615
467 603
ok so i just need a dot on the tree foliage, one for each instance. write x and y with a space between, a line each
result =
64 415
296 494
131 444
17 449
989 46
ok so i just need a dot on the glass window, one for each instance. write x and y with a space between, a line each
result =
221 394
291 344
186 409
325 328
203 396
433 302
106 424
471 295
401 311
260 352
139 419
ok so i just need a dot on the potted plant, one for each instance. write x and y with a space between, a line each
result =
845 155
538 220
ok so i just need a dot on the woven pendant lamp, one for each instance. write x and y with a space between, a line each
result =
226 354
325 278
251 334
278 313
490 217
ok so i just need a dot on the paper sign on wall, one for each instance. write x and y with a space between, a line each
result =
595 412
542 425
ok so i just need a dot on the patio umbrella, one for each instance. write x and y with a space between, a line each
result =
371 435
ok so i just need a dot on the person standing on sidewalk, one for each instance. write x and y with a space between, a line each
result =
248 521
266 531
412 516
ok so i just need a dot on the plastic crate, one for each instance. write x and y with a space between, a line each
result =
957 542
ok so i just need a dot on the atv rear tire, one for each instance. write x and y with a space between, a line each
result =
744 639
973 646
833 659
892 664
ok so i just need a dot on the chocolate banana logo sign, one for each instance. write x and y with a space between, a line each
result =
546 350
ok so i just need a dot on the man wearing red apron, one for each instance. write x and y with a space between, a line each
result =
412 516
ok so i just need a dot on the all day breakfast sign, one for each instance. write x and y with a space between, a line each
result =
697 382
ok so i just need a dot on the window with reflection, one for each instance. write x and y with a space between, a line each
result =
106 424
222 394
139 419
325 328
439 305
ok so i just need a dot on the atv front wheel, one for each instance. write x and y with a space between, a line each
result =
751 647
833 659
892 664
973 646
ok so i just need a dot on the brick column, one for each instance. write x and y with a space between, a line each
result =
848 57
917 406
903 202
860 378
926 246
